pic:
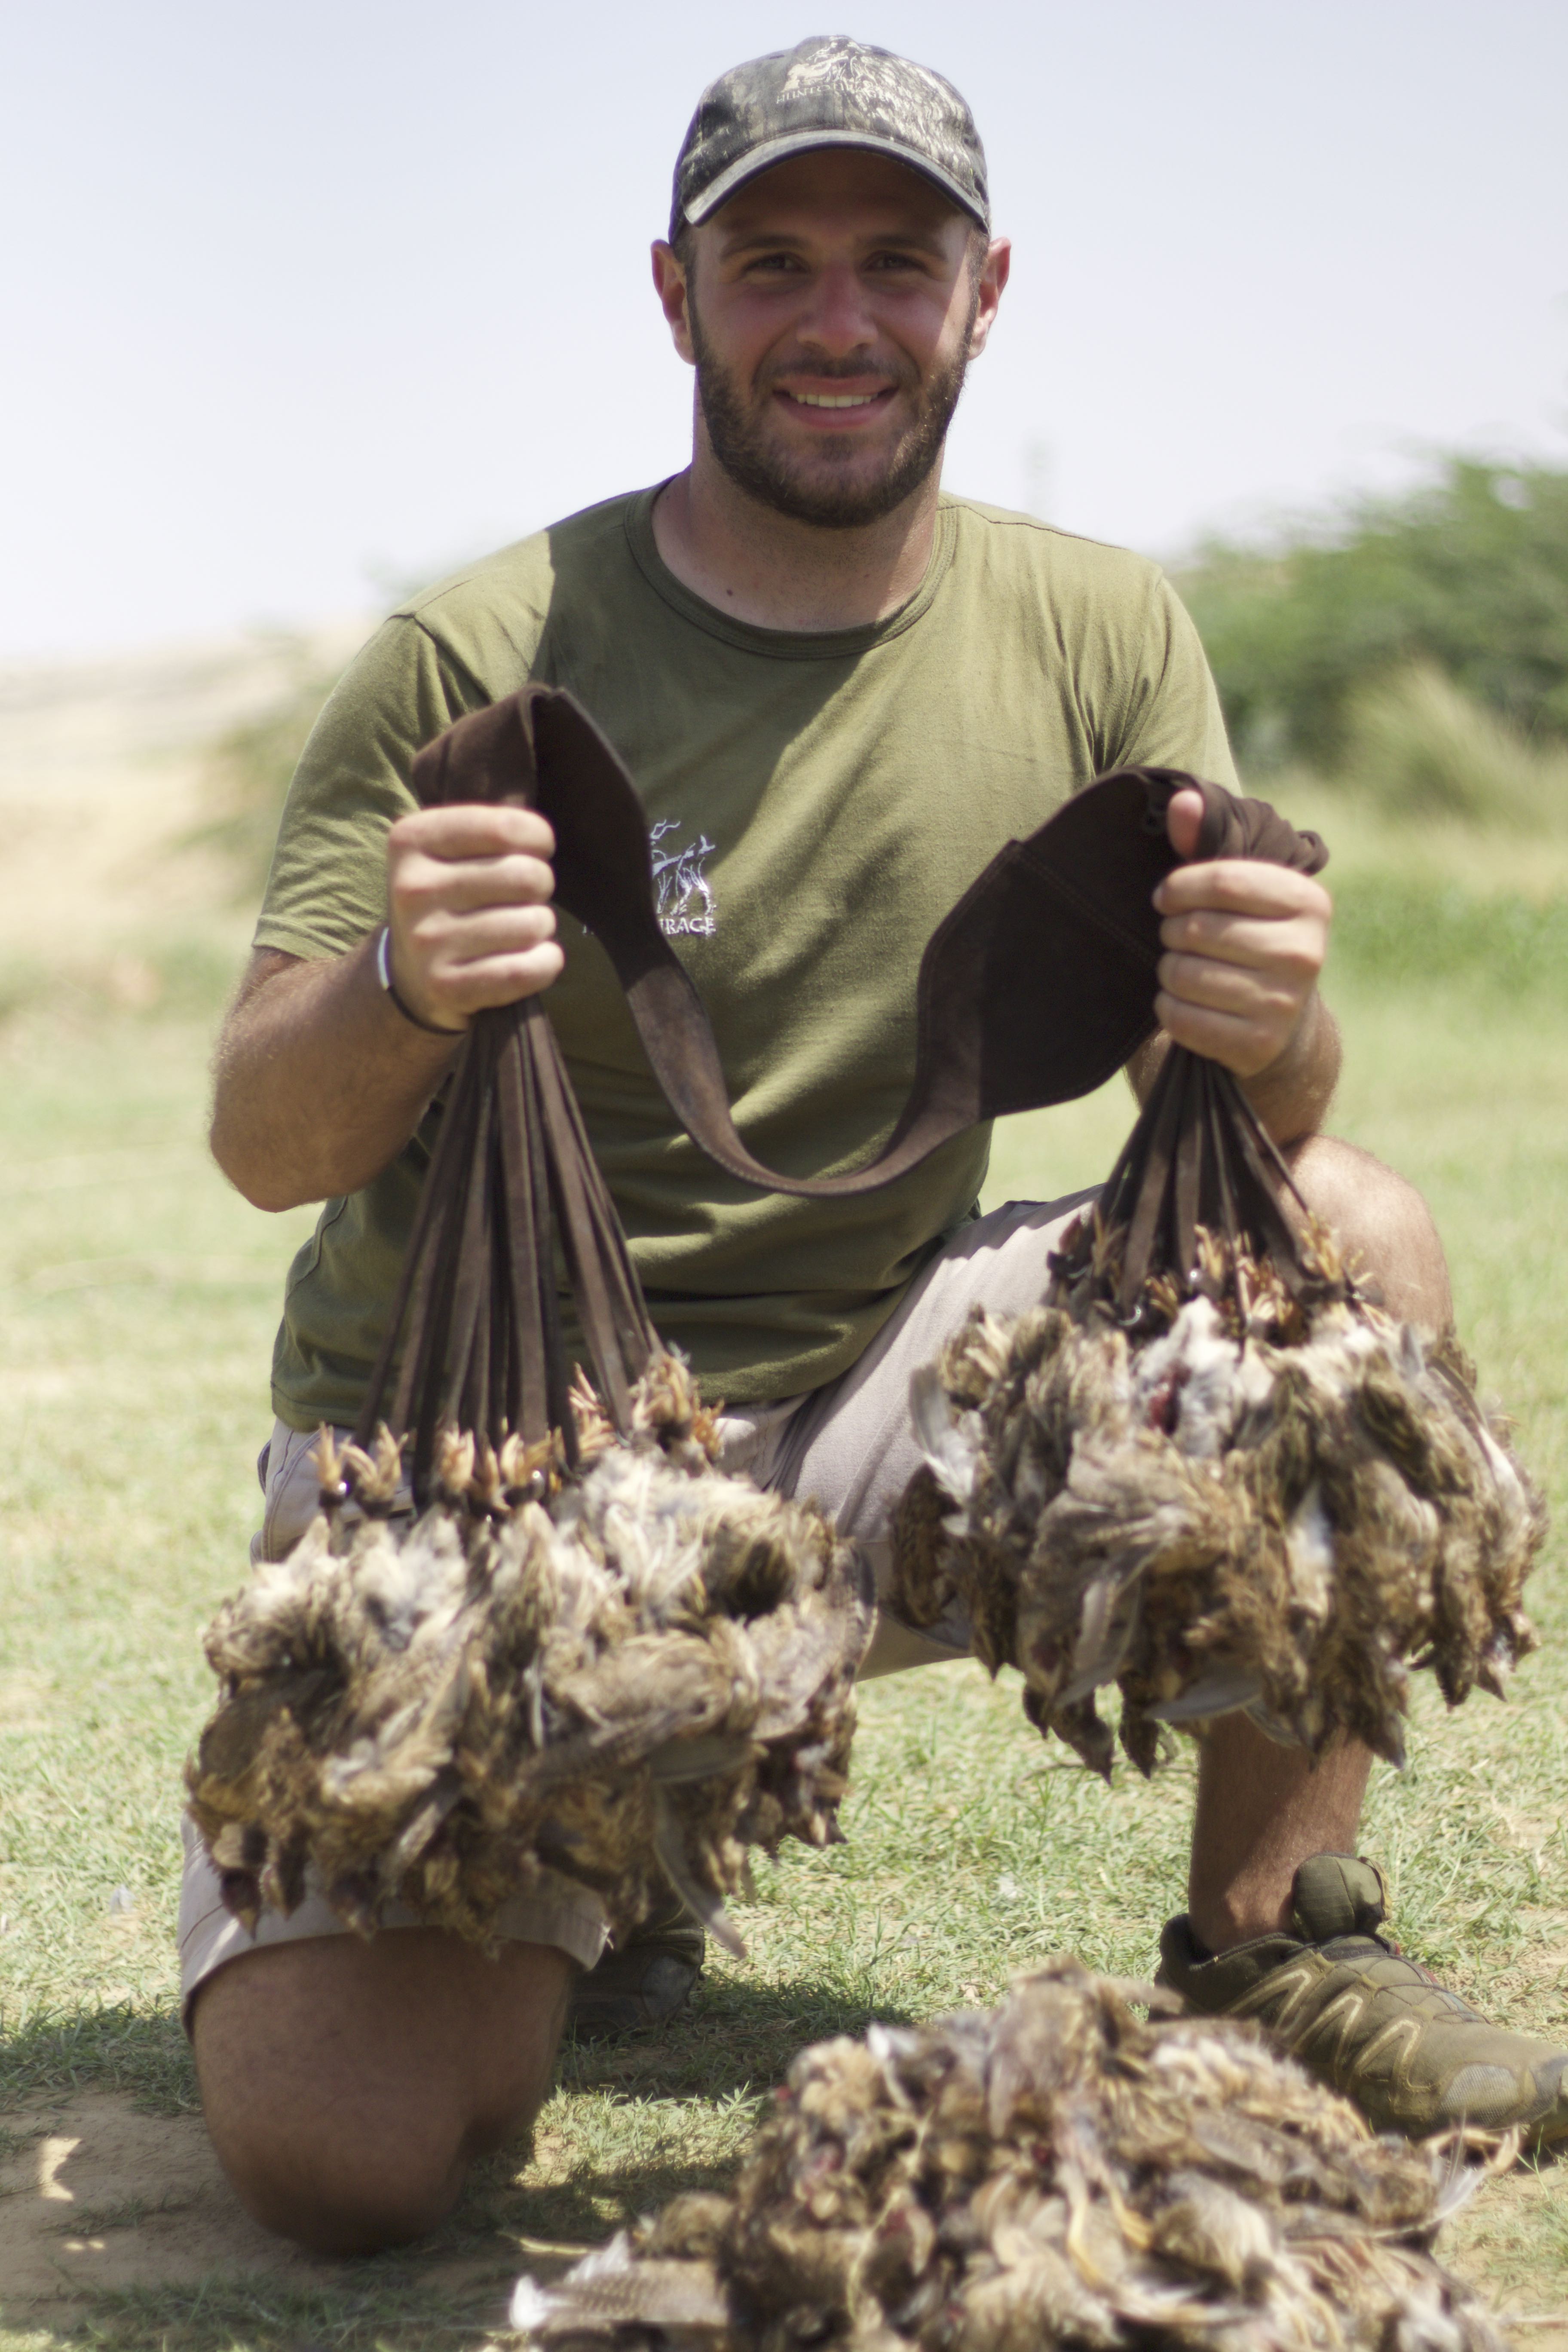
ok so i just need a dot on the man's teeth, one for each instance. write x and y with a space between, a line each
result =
836 399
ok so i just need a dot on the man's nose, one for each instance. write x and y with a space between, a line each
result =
838 319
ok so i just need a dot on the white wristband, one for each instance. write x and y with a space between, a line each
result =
384 974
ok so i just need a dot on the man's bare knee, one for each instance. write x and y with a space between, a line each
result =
348 2086
1384 1224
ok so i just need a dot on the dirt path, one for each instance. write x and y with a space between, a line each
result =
96 2198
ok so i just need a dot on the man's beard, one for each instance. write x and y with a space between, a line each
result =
780 480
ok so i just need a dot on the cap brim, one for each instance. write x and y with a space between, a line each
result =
758 160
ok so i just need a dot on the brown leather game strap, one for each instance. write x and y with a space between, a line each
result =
1038 984
1198 1156
1035 988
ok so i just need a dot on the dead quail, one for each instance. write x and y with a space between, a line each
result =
626 1682
593 1656
1206 1467
1055 2172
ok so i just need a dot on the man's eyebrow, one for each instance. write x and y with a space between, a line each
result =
923 240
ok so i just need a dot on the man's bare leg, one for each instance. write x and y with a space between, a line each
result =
1262 1808
348 2085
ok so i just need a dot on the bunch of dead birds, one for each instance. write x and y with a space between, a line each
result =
1055 2172
1244 1493
622 1675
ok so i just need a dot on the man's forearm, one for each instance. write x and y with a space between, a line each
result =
1292 1097
319 1079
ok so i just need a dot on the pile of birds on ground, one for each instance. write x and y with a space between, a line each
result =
1233 1490
1055 2172
620 1676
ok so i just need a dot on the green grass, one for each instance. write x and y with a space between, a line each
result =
138 1298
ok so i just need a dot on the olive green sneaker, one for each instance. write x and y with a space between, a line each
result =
1344 2000
646 1980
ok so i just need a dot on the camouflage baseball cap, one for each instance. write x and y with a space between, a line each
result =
829 92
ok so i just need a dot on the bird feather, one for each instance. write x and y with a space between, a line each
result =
1055 2172
623 1685
1284 1509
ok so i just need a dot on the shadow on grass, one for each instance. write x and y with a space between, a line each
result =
733 2037
590 2207
112 2049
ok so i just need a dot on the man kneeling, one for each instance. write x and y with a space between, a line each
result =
840 692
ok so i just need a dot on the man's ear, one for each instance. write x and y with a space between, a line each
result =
994 275
669 284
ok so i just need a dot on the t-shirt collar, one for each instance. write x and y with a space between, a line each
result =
783 645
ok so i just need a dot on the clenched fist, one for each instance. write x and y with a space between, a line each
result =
469 891
1244 942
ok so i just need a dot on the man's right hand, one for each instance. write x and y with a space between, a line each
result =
468 890
320 1078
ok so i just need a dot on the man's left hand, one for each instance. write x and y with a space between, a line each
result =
1244 942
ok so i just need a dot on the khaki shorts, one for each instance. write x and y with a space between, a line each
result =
849 1446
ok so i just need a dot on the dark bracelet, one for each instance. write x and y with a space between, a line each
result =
384 974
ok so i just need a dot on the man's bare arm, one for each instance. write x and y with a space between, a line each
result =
319 1079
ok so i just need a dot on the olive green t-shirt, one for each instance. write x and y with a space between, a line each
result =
816 803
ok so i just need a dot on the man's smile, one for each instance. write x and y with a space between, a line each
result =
838 409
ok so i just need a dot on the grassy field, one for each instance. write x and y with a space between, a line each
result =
139 1297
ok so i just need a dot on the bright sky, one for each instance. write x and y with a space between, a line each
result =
308 296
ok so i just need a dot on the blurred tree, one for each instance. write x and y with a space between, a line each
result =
1468 573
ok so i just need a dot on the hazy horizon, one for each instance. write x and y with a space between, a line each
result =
308 303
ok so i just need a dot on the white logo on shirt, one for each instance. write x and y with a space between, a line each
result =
683 897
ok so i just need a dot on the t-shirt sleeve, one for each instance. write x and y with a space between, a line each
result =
327 887
1172 717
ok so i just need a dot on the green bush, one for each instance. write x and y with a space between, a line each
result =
1468 574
